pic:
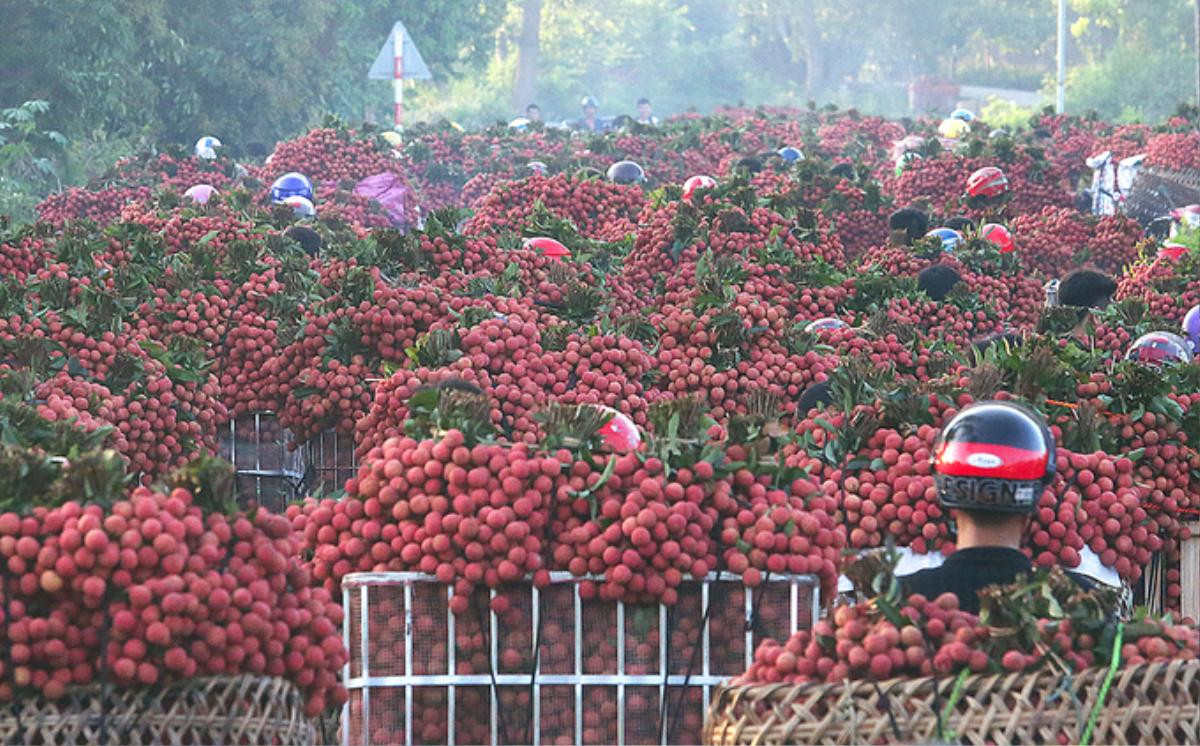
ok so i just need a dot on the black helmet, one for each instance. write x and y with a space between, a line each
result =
626 172
995 456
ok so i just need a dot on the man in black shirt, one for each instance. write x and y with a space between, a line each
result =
992 462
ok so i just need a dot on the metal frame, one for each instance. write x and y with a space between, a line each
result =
362 583
291 469
320 473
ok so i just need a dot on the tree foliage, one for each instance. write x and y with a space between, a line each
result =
257 70
244 69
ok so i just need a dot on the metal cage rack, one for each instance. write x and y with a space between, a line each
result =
331 460
267 470
554 667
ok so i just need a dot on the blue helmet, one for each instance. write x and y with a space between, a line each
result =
291 184
964 114
790 154
949 237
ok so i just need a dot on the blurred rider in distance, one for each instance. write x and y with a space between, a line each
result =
590 121
645 112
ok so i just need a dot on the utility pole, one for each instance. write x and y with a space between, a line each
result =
1060 98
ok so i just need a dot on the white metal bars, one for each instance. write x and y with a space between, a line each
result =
441 691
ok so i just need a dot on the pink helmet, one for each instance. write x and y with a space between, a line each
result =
620 433
547 246
200 193
697 182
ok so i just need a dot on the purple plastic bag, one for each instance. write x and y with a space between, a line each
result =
388 190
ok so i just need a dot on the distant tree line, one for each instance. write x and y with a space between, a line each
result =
258 70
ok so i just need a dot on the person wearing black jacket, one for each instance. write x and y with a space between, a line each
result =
992 463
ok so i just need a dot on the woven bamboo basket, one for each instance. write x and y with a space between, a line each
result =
1152 703
221 709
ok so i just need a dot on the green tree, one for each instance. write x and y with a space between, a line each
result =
1137 57
30 158
88 57
241 69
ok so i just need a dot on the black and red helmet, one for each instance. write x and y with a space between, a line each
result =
996 456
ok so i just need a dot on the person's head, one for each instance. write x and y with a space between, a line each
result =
959 223
908 224
590 105
843 171
991 464
644 108
458 384
1085 289
937 281
750 164
308 238
1009 338
816 395
533 113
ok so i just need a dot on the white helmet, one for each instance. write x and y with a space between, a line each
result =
206 147
301 206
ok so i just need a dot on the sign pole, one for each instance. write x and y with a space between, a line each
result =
398 76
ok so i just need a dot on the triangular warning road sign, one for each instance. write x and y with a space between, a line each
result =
414 65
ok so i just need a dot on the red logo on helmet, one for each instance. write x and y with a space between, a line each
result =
992 460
